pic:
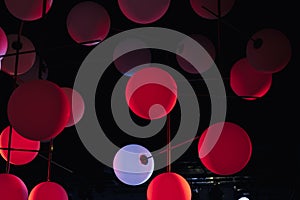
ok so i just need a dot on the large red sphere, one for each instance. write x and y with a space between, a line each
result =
18 142
169 186
151 93
247 82
48 191
38 110
77 105
12 188
25 61
27 10
209 9
88 23
226 152
3 43
271 52
144 11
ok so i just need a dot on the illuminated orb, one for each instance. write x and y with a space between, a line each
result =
18 142
48 191
132 164
144 11
38 110
209 9
25 61
39 70
3 43
231 151
76 105
131 61
169 185
88 23
247 82
271 52
12 187
28 10
182 53
151 93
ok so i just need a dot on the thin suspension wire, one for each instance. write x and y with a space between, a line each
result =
168 144
50 159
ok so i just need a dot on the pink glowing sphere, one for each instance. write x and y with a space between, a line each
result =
88 23
38 110
151 93
209 9
169 185
12 188
247 82
226 152
48 191
271 52
28 10
183 52
25 61
77 105
144 11
18 142
3 43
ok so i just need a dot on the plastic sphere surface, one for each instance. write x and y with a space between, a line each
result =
169 185
18 142
38 110
3 43
132 165
12 188
48 191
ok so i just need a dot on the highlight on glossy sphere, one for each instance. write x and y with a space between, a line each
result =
209 9
182 53
88 23
25 61
28 10
12 187
271 52
169 185
3 43
231 148
151 93
247 82
38 110
144 11
133 164
39 70
76 105
18 142
48 191
131 61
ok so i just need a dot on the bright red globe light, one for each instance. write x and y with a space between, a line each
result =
151 93
48 191
12 187
167 186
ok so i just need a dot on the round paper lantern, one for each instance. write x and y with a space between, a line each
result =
151 93
144 11
77 105
209 9
271 52
169 185
3 43
18 142
12 188
88 23
39 70
132 166
248 82
48 191
25 61
28 10
38 110
131 62
182 53
231 151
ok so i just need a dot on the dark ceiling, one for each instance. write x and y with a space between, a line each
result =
270 121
